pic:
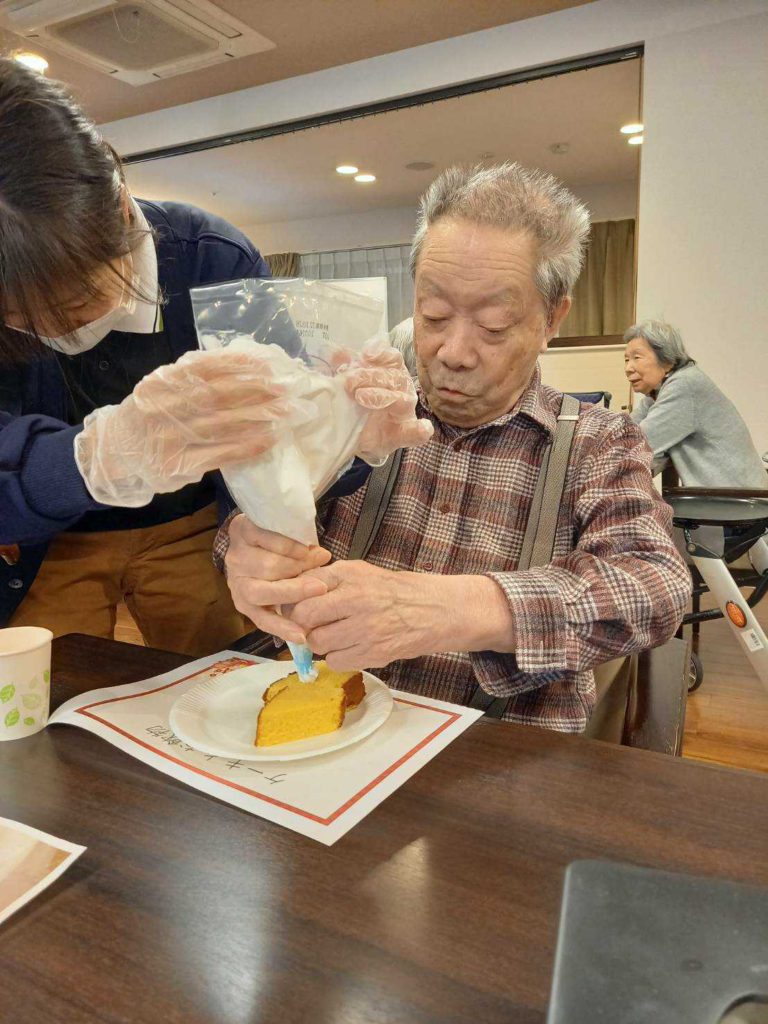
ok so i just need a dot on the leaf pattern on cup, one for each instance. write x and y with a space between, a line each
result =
31 700
12 718
47 675
7 692
29 720
34 682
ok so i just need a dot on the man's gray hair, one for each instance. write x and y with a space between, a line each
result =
664 339
513 197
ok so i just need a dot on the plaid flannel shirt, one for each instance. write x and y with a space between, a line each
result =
616 583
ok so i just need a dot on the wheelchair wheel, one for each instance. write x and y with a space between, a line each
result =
695 673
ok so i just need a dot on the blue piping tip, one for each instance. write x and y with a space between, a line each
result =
302 659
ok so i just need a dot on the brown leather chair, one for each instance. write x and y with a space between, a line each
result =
640 699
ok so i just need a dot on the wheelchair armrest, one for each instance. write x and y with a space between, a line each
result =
656 713
715 492
640 700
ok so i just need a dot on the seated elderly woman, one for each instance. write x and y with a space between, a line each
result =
685 417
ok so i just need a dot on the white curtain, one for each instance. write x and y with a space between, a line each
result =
390 261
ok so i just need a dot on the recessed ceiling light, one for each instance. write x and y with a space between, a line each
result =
365 177
631 129
33 61
347 169
636 140
419 165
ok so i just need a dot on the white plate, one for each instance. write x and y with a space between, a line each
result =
219 716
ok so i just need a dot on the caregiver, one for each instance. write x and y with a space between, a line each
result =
106 489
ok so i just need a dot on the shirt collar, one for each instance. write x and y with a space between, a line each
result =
143 319
532 404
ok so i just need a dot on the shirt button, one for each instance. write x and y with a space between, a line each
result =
103 364
445 509
16 584
427 566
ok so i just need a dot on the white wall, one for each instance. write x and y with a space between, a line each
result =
611 201
699 245
703 227
592 368
615 200
343 231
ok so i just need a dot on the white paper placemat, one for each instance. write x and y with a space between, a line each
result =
29 861
322 797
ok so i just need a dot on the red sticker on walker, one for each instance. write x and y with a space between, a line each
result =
736 614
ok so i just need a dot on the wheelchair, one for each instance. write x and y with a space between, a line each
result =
718 526
593 397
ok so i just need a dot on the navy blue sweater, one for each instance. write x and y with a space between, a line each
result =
41 490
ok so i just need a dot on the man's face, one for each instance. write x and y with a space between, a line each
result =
479 321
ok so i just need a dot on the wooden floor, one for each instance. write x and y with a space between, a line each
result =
126 629
727 717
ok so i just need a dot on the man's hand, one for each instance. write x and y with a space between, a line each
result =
264 571
357 615
369 617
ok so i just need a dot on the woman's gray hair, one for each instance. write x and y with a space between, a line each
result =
401 338
513 197
664 339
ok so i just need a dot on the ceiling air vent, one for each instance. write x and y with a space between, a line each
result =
137 41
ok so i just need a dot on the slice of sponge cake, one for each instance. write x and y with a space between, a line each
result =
299 711
351 683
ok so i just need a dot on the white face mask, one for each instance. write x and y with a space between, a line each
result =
89 335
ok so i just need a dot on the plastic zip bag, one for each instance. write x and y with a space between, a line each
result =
311 333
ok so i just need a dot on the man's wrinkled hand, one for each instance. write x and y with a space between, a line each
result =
369 617
264 571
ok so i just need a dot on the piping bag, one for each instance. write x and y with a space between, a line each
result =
316 441
303 328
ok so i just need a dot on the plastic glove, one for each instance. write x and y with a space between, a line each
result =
204 411
378 380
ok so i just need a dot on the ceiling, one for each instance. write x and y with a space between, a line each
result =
293 177
309 34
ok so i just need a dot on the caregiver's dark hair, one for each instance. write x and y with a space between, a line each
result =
61 203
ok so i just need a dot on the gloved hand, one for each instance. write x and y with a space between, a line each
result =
204 411
378 380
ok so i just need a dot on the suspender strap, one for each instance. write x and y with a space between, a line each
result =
534 516
539 539
380 485
552 483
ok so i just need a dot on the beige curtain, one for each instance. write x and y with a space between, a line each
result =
283 264
604 296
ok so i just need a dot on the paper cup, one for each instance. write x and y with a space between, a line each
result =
25 680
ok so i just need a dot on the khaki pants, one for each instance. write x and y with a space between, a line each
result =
163 573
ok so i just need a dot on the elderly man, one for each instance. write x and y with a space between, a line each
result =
439 606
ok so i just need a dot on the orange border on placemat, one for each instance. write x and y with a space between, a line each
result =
451 717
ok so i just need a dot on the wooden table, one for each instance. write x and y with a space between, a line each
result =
441 906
